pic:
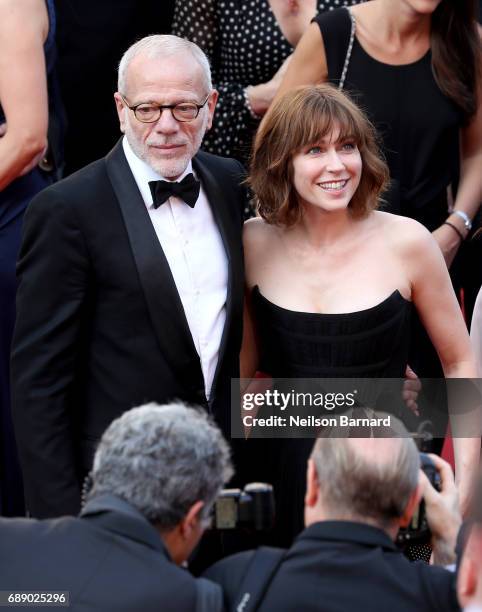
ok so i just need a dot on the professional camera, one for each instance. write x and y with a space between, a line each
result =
252 508
418 531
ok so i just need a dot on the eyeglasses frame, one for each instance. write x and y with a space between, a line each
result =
161 107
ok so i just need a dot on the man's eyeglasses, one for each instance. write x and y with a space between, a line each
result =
150 113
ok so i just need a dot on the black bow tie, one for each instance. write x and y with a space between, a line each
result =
187 190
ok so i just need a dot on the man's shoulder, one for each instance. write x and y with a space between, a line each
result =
229 572
84 185
34 536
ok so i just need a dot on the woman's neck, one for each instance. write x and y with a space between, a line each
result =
319 229
399 23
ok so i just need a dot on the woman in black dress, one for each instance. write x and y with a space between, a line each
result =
415 67
330 280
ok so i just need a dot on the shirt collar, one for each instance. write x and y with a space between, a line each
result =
348 531
143 173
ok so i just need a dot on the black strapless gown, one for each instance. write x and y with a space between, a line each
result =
371 343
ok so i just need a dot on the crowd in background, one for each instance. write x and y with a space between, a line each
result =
57 115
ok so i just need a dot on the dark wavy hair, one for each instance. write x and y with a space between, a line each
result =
302 117
456 52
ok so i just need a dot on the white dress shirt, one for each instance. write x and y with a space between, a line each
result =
196 256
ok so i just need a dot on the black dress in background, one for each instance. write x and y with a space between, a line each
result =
419 128
371 343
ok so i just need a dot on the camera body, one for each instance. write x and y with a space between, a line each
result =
418 531
252 508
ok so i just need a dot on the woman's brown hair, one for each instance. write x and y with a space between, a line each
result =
302 117
456 53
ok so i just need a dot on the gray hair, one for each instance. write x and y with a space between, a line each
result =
367 479
163 46
161 460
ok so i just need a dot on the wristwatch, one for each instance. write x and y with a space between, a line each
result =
465 218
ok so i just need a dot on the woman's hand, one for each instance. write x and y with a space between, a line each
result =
411 389
34 161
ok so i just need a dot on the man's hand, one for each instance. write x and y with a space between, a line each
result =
443 513
411 388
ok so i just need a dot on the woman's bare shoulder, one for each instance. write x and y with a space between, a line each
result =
396 224
405 234
257 233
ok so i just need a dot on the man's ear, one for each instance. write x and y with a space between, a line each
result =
121 110
312 485
191 520
213 98
412 504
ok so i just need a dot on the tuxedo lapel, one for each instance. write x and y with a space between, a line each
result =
163 302
230 235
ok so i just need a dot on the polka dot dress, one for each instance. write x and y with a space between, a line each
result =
245 47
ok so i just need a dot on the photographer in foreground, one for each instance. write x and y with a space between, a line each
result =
359 493
156 474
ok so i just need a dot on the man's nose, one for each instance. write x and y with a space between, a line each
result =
166 122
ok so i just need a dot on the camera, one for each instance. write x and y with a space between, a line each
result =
252 508
418 531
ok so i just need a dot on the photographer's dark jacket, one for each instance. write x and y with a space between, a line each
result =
108 558
339 566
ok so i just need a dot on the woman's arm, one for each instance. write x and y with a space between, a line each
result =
252 233
308 63
434 298
476 332
469 192
249 360
23 86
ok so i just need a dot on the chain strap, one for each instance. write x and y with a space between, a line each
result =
348 51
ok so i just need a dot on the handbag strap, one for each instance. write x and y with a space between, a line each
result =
348 51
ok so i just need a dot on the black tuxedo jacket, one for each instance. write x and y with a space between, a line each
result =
109 558
100 326
342 566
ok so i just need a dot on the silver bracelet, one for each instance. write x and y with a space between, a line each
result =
465 218
247 104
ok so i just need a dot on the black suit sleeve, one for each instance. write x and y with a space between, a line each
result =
52 272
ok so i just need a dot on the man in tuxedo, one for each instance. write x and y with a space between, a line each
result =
130 277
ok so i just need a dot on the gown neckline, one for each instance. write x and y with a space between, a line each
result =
394 295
